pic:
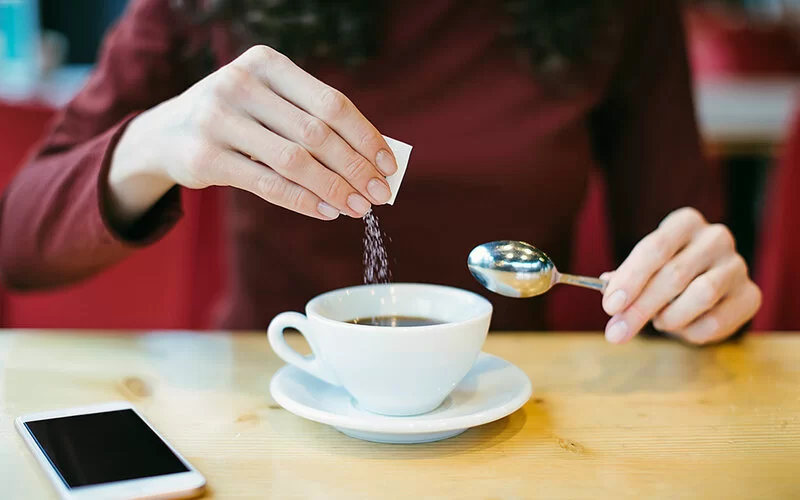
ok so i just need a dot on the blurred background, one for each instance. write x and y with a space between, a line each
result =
745 56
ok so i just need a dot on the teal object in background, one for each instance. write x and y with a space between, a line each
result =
84 23
19 47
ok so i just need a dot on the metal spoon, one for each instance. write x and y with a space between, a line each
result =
518 269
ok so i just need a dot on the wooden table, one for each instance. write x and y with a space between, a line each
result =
651 419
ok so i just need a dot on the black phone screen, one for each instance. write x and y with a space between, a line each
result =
103 447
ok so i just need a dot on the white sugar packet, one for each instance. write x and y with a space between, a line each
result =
402 152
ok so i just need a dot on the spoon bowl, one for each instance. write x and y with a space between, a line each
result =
519 270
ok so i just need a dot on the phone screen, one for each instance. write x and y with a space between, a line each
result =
103 447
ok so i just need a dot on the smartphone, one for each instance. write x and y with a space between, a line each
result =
107 451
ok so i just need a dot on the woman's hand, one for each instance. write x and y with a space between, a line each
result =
263 125
687 278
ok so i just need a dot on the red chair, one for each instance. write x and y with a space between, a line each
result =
725 43
778 268
170 285
20 127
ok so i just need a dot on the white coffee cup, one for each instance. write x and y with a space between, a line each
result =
397 371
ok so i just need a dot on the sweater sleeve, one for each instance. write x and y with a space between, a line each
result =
54 228
646 132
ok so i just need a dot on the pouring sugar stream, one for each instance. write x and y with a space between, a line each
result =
376 259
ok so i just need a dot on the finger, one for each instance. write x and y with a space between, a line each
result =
648 256
702 294
322 101
669 282
324 144
294 163
726 318
232 169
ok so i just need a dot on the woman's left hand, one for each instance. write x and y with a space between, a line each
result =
687 278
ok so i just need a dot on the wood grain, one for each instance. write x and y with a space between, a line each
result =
652 419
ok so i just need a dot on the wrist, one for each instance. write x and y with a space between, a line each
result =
136 177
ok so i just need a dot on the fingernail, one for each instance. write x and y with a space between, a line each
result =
358 203
605 276
616 302
617 332
386 163
379 190
327 210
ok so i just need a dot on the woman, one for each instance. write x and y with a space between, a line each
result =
509 106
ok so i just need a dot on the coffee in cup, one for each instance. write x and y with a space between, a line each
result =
395 321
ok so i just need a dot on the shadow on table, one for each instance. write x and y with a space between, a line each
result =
533 418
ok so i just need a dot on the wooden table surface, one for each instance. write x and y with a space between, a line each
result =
651 419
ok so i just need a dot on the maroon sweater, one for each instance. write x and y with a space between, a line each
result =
496 156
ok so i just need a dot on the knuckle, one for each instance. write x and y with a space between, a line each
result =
201 160
691 215
657 246
682 215
208 117
291 157
233 82
333 104
757 295
708 292
335 188
677 276
740 265
723 236
640 314
314 132
295 197
259 51
259 59
271 187
369 141
263 54
355 168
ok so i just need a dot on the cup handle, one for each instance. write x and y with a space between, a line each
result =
313 364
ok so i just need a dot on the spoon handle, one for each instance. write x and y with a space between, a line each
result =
583 281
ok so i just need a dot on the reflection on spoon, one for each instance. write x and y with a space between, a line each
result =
518 269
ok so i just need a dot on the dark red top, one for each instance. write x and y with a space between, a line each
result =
495 157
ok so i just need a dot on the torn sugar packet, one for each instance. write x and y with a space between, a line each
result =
402 152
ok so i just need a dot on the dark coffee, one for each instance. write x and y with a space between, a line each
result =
395 321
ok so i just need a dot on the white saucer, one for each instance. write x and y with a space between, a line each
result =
493 389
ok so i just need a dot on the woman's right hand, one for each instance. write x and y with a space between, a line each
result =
260 124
